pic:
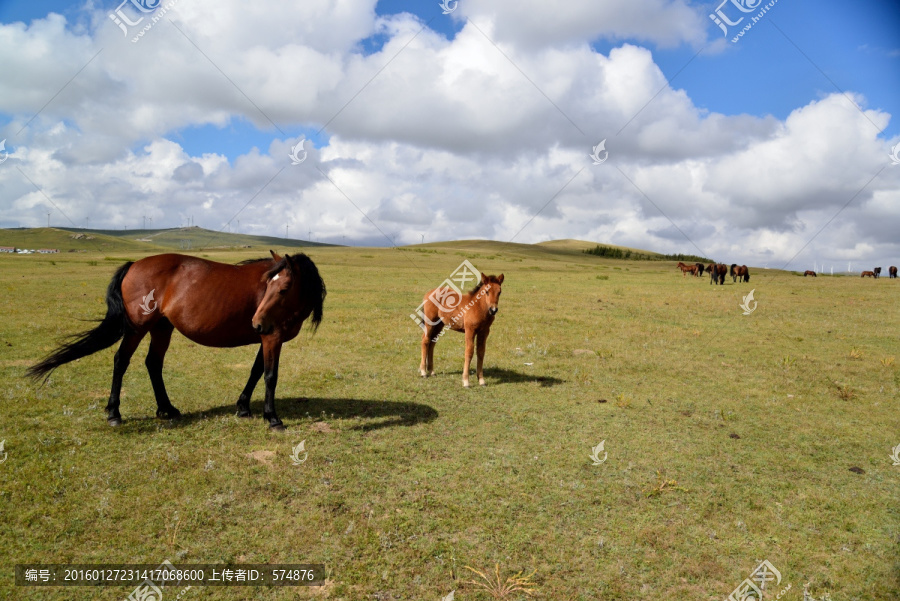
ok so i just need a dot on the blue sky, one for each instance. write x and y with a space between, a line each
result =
852 47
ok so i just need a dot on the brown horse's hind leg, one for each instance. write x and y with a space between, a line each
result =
480 347
130 342
160 336
256 372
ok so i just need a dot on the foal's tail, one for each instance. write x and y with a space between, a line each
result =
110 331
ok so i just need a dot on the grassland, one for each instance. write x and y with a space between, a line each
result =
730 438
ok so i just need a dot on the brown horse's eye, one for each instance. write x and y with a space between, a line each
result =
283 291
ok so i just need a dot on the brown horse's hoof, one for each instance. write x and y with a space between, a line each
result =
244 413
277 427
114 421
168 413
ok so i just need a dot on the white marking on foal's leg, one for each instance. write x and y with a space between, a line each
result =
481 382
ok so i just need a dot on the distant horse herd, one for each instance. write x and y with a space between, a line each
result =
876 273
740 273
717 272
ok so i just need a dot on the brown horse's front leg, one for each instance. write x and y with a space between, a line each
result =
470 350
256 372
482 344
271 353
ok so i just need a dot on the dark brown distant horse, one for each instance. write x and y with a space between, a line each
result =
867 274
700 269
877 272
717 274
892 272
739 273
473 314
263 302
809 272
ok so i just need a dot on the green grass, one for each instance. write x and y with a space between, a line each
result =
729 440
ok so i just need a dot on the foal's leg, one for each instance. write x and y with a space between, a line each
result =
429 339
470 350
243 404
130 342
160 336
271 353
482 344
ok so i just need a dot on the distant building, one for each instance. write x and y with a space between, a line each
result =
48 251
7 249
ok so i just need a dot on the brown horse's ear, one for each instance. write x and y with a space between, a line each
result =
500 278
275 255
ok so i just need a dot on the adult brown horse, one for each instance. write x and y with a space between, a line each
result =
717 274
471 313
263 301
739 273
700 269
809 272
867 274
892 272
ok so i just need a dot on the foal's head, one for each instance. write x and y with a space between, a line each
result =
294 292
489 289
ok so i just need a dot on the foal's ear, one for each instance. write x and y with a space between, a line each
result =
500 278
275 255
484 278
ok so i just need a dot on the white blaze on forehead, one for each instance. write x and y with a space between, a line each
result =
277 275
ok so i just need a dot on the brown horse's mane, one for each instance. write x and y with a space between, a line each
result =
492 279
313 290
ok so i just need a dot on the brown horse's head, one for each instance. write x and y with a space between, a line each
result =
294 289
489 288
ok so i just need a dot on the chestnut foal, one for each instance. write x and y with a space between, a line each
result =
471 313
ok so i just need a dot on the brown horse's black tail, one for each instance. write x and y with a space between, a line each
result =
110 331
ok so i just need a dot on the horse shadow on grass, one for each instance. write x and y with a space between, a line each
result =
372 414
509 376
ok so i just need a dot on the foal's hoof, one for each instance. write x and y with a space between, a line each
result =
114 421
481 382
465 384
168 413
